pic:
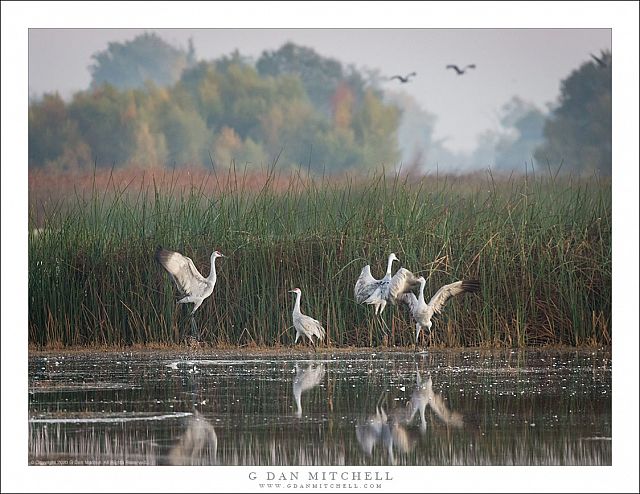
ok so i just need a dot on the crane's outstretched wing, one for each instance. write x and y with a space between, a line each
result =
410 299
451 290
401 282
365 285
182 270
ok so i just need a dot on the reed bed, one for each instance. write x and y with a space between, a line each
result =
540 246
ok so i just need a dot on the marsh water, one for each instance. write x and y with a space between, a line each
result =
342 408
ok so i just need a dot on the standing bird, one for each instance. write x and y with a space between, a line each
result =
460 71
403 79
422 312
192 285
368 290
304 324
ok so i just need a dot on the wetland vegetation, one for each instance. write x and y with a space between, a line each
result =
540 245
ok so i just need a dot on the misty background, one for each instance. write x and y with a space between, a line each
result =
322 99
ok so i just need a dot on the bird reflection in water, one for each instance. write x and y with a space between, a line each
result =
388 429
393 429
424 395
197 446
305 379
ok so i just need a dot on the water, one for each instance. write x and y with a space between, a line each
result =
343 408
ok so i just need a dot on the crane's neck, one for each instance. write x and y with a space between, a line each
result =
212 274
421 296
296 307
389 263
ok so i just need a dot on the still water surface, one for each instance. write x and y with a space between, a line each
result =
375 408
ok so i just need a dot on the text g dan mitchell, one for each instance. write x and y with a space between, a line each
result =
321 476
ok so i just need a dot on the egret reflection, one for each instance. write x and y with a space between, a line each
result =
197 446
306 379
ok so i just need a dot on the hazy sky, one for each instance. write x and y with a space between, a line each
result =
529 63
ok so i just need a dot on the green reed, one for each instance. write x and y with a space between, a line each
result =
540 246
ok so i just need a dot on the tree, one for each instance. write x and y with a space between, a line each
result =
131 64
578 133
524 123
321 76
54 138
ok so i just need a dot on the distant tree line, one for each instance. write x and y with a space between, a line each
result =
293 105
151 104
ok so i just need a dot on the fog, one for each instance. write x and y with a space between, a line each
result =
466 112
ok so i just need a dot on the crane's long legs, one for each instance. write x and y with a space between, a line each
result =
194 328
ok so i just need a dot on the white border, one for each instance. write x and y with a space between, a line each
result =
18 17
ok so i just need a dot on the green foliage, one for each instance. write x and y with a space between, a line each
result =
132 64
578 134
320 76
54 138
223 111
540 248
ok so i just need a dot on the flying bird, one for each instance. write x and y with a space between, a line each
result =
304 324
422 311
601 61
460 71
403 79
193 287
369 290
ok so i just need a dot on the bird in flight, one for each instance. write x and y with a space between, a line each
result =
403 79
190 283
460 71
601 61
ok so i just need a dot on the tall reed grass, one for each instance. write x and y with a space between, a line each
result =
540 246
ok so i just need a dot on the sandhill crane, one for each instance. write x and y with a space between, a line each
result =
192 285
460 71
403 79
422 312
304 324
306 379
368 290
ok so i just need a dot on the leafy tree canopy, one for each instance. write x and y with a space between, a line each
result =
131 64
578 134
